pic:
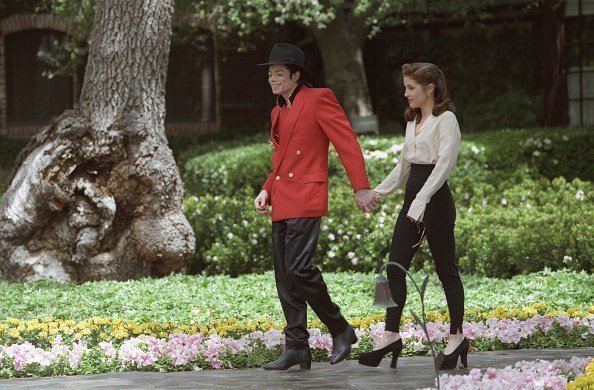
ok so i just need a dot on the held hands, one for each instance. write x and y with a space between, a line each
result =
366 200
261 202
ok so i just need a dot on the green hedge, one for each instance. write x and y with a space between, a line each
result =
486 159
525 229
529 227
228 171
514 215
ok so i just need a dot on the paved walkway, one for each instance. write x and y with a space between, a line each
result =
412 373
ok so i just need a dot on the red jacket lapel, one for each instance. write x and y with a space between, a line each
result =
273 121
289 123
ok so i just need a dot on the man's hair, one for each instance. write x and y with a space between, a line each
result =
303 77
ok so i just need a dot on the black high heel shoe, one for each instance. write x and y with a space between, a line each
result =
448 362
374 358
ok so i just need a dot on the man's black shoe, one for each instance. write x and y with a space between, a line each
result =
291 357
341 345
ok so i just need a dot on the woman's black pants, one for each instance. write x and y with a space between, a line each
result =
439 220
299 282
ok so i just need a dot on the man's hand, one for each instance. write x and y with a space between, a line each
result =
366 200
261 202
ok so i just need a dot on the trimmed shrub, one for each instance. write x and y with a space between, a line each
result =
511 217
231 238
526 228
228 171
529 227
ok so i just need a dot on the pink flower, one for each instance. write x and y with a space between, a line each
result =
216 363
108 349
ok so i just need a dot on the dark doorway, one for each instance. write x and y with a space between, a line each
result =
190 84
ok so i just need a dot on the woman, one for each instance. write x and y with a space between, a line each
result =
430 150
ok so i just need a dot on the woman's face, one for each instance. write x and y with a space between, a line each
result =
280 80
416 94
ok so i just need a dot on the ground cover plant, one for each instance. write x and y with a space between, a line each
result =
187 299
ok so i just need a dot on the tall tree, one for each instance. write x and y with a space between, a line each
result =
96 194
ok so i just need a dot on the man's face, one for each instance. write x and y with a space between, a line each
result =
281 81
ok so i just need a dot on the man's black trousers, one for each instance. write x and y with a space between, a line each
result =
299 282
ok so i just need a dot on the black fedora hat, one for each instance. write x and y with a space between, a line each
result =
286 54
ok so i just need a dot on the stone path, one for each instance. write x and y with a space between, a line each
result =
412 373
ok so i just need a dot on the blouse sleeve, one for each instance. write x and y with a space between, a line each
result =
398 175
449 145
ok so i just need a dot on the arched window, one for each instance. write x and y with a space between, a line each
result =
33 98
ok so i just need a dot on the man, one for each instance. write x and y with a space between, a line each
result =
303 123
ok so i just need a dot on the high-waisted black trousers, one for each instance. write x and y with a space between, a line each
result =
439 220
299 282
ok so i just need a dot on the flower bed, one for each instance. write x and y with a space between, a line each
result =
538 374
54 347
584 382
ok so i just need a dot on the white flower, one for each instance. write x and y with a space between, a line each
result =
354 261
376 155
351 255
230 235
254 242
331 254
528 206
565 138
418 345
358 236
331 237
567 259
504 202
536 153
475 150
579 195
339 231
466 196
396 148
547 141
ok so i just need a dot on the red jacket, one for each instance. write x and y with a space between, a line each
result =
298 183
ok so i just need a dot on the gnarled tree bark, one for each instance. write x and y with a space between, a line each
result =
97 194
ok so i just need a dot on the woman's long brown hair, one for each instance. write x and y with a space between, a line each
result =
425 73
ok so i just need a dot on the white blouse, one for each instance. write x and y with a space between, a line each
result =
437 142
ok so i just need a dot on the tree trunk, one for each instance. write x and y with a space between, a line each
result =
554 72
97 194
341 46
